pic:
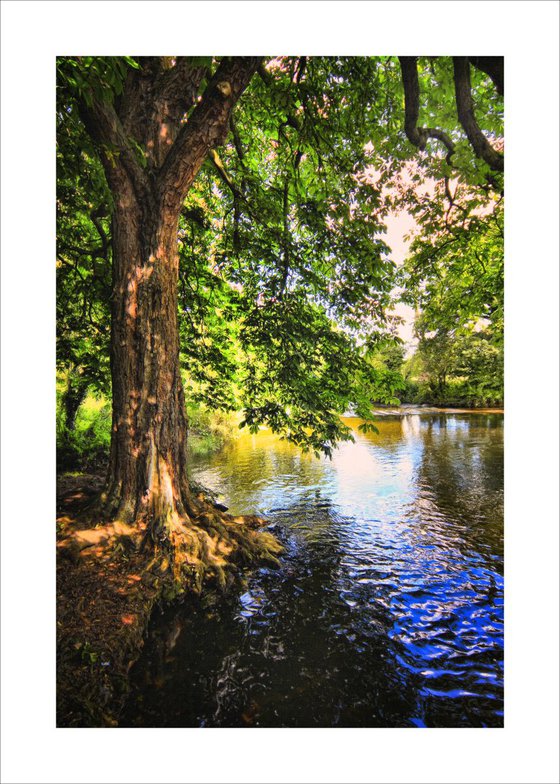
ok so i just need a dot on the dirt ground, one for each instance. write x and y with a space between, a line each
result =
107 587
105 596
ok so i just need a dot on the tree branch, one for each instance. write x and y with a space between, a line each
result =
302 64
436 133
238 196
92 252
178 86
465 111
155 101
205 129
418 136
94 215
237 140
264 74
268 80
132 106
411 86
116 153
224 176
285 237
493 67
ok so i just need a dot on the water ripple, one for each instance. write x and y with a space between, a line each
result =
388 610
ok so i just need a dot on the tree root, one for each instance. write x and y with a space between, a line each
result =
107 586
207 544
212 545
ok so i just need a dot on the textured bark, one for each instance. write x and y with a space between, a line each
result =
74 395
147 472
147 477
465 108
418 136
411 86
493 67
465 112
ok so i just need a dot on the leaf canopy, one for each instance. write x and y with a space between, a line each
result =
286 283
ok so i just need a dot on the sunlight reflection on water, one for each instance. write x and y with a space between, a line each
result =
388 610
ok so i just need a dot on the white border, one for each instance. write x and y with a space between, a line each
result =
33 750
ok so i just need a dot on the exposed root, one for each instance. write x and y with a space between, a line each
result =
107 585
102 535
207 545
213 545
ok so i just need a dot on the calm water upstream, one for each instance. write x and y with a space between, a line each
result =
388 609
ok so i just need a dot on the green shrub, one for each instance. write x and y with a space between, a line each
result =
86 446
209 430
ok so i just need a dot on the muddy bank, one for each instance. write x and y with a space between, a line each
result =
107 589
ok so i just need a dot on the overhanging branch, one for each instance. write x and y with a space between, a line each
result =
418 136
492 67
465 109
465 112
238 196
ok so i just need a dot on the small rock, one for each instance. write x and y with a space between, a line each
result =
221 507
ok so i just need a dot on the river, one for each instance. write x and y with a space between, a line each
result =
388 608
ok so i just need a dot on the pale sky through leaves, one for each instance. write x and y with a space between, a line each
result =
398 225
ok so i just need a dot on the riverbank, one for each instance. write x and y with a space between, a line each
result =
107 590
84 448
412 408
104 601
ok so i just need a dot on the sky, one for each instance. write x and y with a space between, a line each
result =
398 225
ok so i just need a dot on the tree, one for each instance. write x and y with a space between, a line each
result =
387 358
291 230
462 366
454 273
435 350
480 366
151 157
454 277
83 265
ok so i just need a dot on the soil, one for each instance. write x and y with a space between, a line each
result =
104 600
107 588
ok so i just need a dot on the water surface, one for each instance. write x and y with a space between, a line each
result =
388 608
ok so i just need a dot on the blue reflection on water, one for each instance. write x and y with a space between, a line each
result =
388 610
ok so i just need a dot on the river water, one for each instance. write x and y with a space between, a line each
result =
388 608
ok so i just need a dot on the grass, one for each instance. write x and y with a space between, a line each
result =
210 430
86 447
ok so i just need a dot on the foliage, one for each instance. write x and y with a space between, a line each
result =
285 282
210 429
86 446
86 77
83 212
454 277
480 363
458 367
297 275
454 272
387 358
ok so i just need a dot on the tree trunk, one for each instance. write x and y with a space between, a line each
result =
74 395
147 478
161 111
